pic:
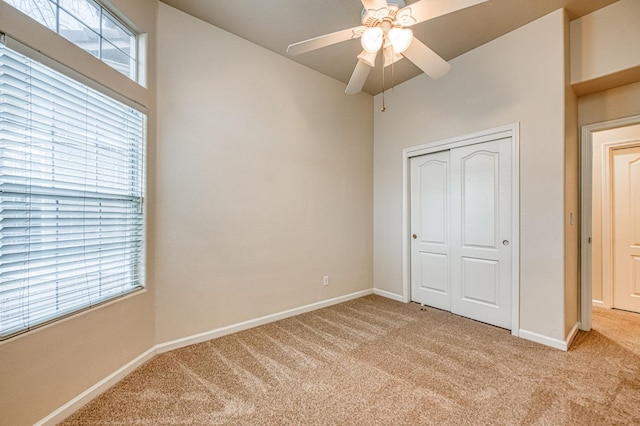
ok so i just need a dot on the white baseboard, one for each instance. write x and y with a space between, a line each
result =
245 325
598 303
389 295
79 401
563 345
572 334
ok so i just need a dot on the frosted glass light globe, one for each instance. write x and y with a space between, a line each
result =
372 39
400 38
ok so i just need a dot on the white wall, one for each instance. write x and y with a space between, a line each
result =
519 77
45 368
264 182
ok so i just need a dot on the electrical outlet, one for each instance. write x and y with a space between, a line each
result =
325 280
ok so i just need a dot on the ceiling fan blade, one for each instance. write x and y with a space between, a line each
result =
426 59
359 76
325 40
374 4
424 10
369 58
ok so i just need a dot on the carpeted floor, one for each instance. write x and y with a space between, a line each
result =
373 361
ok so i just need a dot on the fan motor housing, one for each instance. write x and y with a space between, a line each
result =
393 6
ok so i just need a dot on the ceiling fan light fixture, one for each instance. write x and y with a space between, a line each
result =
400 38
385 25
372 39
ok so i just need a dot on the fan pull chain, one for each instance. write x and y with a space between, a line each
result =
383 109
393 67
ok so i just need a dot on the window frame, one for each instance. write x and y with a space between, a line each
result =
135 73
105 91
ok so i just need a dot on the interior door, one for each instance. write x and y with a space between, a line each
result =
626 228
461 249
481 251
430 224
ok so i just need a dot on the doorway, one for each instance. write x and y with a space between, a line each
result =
462 226
610 205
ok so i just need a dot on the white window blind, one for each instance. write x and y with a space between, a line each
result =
71 195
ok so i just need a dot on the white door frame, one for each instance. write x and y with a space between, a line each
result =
510 131
586 189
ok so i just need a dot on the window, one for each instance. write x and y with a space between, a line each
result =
72 183
87 24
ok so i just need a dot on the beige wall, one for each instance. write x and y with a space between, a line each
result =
606 72
264 183
43 369
519 77
571 197
620 102
607 105
604 48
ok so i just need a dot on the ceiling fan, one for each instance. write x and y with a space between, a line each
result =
385 27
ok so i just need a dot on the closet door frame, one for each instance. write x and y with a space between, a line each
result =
509 131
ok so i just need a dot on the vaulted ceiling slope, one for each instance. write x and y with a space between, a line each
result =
275 24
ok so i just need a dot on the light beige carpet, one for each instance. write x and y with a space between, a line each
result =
373 361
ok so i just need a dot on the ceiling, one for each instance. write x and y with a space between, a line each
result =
275 24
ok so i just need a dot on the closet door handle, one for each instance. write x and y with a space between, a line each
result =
414 236
505 242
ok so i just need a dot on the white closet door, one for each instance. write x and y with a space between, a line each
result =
430 224
481 232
